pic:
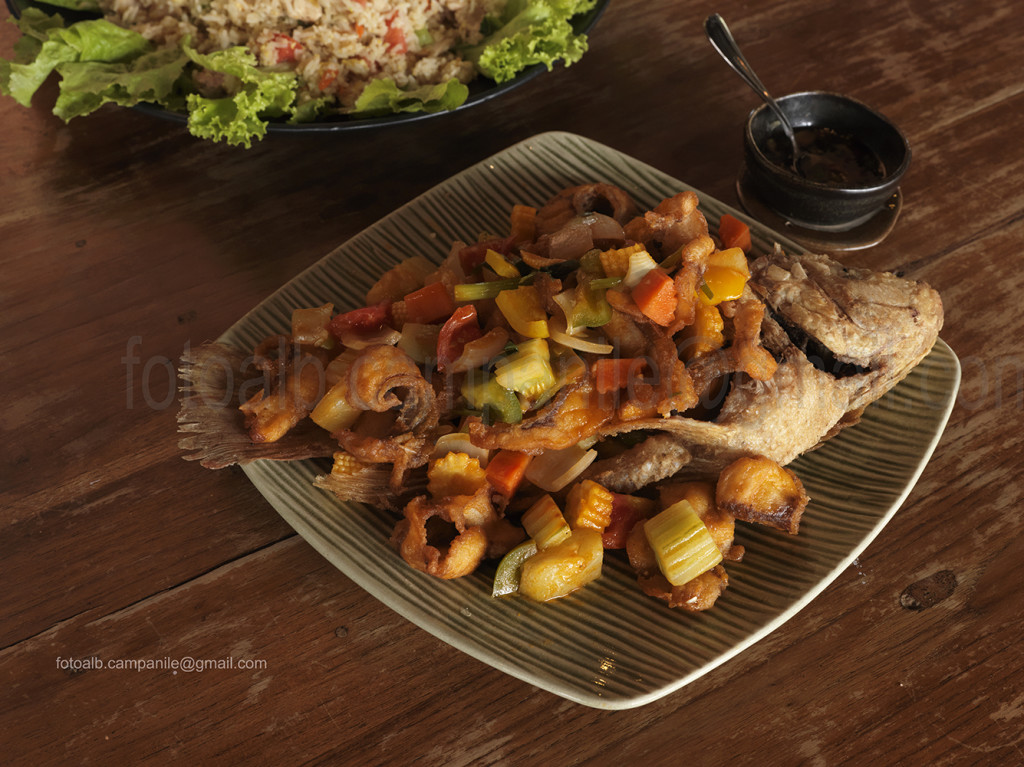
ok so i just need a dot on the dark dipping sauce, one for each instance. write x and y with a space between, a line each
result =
827 157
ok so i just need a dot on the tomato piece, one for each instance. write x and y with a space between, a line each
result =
329 76
734 233
287 48
394 38
627 510
614 373
461 328
368 319
429 304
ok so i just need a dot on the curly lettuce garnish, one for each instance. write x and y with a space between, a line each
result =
255 96
530 32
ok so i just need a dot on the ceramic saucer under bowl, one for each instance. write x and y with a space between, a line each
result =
864 235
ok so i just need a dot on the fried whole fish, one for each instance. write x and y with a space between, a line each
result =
813 342
842 338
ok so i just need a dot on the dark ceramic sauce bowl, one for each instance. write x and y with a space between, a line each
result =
814 204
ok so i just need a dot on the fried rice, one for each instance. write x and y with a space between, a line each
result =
335 47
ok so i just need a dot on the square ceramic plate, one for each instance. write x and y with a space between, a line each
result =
608 645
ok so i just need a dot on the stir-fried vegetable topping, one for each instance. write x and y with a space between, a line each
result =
522 370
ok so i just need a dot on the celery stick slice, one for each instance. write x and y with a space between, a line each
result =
682 544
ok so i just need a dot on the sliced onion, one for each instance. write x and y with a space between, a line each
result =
458 442
604 229
419 341
353 340
580 342
557 468
566 301
640 263
571 241
309 326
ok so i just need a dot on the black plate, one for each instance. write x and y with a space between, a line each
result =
480 90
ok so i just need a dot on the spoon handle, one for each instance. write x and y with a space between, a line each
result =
723 41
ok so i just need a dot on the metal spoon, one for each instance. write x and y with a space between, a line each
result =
723 41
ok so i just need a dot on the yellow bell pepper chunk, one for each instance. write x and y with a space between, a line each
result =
721 284
524 311
501 265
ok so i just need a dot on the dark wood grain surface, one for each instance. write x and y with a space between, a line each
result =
123 241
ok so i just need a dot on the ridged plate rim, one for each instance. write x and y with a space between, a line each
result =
607 646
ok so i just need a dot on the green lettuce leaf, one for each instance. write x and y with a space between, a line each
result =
530 32
46 44
241 117
85 86
385 97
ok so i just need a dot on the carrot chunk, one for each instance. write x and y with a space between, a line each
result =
656 296
614 373
506 470
734 233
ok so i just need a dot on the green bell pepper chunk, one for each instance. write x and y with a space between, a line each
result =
484 393
591 309
510 569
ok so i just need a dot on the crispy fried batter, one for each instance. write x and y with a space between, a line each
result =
295 382
383 378
447 553
673 223
574 414
757 489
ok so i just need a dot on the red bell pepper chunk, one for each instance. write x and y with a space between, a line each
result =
368 319
461 328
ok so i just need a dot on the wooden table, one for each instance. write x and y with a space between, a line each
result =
124 240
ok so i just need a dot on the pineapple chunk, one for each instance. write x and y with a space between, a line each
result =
564 567
527 371
730 258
